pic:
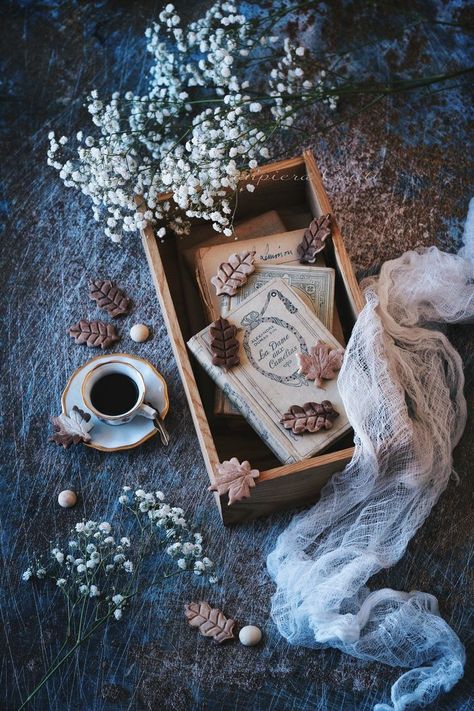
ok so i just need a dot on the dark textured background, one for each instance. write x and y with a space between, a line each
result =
398 177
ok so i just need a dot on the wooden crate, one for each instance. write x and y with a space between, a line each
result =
293 188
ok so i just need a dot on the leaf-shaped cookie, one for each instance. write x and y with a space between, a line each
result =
94 333
224 344
210 621
233 273
321 363
310 417
235 479
314 239
72 428
108 297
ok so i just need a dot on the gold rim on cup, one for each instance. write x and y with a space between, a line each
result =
103 415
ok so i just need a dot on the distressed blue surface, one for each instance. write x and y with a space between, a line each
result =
398 178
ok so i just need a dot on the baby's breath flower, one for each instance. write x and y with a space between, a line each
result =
186 545
58 555
162 142
96 575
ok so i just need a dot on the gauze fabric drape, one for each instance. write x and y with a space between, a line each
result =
402 386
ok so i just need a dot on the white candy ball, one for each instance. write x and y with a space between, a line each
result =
139 332
250 635
67 498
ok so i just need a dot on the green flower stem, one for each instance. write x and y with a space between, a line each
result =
56 666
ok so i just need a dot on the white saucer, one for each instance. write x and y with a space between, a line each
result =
112 438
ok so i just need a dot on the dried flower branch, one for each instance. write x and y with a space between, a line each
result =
206 119
99 572
198 130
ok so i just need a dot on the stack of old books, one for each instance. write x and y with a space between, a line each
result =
275 288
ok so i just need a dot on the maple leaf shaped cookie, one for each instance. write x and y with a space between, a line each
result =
235 479
72 428
321 363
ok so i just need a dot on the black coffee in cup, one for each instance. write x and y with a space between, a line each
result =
114 394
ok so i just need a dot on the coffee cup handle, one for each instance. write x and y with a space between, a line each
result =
147 411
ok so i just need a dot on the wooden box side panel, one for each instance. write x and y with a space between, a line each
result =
321 205
280 489
179 349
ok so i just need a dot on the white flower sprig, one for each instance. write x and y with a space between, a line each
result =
184 543
98 571
203 124
91 564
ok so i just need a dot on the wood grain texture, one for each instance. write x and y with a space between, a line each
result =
277 494
343 261
198 414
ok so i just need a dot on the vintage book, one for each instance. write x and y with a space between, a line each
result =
315 285
272 249
268 223
274 325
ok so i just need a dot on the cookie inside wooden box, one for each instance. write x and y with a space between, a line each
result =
287 196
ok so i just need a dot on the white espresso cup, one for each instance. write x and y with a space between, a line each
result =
115 392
